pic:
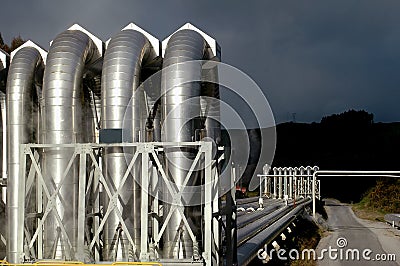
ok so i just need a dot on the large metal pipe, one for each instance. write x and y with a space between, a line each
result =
126 53
62 110
180 122
22 106
3 81
4 59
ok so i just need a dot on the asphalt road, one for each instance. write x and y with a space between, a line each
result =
356 234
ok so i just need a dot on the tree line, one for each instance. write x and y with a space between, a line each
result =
15 43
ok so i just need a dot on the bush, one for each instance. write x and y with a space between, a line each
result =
385 196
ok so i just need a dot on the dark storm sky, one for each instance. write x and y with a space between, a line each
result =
312 58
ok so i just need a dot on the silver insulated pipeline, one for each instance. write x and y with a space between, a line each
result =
3 80
22 116
180 122
63 104
127 51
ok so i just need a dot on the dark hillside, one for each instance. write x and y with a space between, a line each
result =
349 141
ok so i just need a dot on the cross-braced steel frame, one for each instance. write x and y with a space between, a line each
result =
92 180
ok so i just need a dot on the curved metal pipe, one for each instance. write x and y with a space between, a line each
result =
3 153
285 182
62 112
180 125
280 189
22 106
274 183
302 183
121 76
295 182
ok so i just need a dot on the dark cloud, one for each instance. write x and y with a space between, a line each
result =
311 58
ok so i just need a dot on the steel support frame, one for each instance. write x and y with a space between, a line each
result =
87 184
27 151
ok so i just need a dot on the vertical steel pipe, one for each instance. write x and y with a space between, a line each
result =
295 182
22 106
290 177
267 181
180 122
302 185
3 81
280 189
275 184
3 152
63 101
309 181
285 182
121 76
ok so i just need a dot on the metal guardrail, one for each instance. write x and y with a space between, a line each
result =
393 219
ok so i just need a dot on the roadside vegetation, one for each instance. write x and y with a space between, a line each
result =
381 199
308 239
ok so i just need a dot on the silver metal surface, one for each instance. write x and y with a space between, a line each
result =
302 186
180 122
285 182
3 80
63 106
62 168
3 154
143 152
4 59
299 184
275 183
295 182
290 177
22 117
127 51
249 249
